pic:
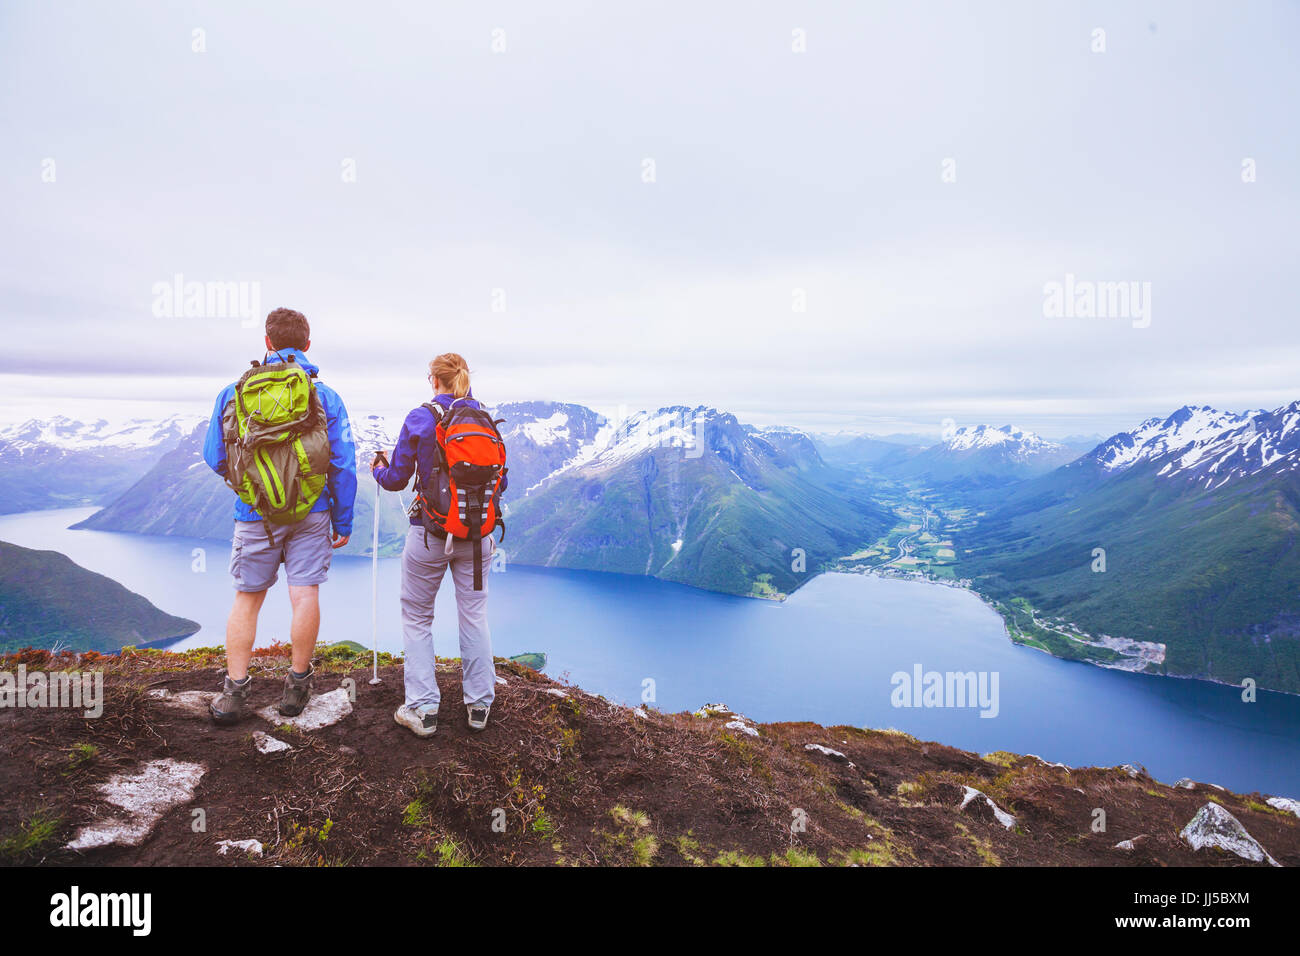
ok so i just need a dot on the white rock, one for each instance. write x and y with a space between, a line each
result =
142 797
641 712
1185 783
501 680
556 692
267 744
321 711
244 846
1004 818
1131 770
1214 826
833 754
1048 763
713 710
743 727
191 703
1130 845
1284 803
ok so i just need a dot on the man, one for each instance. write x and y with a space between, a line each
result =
303 545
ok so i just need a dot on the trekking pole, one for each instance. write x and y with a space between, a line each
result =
374 593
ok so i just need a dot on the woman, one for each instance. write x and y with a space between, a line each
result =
429 552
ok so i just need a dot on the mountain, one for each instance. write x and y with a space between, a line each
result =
543 438
59 462
595 783
691 495
985 455
1198 515
46 600
868 451
726 518
181 495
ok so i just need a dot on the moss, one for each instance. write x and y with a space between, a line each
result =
80 756
688 848
737 858
38 832
1002 758
450 853
982 847
796 857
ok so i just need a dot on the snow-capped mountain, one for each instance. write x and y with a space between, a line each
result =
545 438
61 462
1018 443
47 436
1190 425
690 495
984 455
1265 442
1204 445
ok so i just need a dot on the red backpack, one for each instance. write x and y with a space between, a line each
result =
464 501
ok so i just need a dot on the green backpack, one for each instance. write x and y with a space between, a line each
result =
277 443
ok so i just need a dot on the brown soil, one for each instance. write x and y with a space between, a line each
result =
569 780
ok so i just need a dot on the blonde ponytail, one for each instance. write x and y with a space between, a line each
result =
450 370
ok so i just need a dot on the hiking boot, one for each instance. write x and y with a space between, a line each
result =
296 693
478 715
422 723
228 707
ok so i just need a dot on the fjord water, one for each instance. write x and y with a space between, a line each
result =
827 654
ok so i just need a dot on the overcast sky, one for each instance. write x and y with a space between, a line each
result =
414 190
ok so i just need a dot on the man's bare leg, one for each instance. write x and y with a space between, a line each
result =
305 599
241 632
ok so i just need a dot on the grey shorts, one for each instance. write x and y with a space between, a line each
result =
303 548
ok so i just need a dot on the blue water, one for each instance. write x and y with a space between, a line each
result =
827 655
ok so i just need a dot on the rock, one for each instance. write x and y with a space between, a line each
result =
1133 844
970 793
1214 826
833 754
267 744
501 680
321 711
1131 770
714 710
556 692
641 712
143 797
252 847
1185 783
191 703
743 727
1284 803
1048 763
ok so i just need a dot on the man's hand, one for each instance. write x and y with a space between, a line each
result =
340 540
379 459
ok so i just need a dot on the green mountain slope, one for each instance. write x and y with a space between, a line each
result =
1204 559
46 599
734 514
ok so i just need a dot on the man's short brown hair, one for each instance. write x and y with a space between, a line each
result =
288 329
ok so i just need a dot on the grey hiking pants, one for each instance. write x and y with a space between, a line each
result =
422 572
